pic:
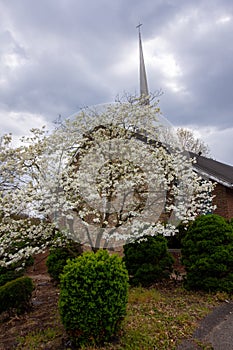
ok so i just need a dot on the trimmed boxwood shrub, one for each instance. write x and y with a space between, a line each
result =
148 260
16 295
207 254
58 257
93 297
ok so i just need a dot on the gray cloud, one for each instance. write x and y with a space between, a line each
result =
58 56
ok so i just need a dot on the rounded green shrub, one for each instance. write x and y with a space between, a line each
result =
7 275
16 295
93 297
148 260
207 254
58 257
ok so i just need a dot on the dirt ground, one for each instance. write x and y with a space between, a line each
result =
43 314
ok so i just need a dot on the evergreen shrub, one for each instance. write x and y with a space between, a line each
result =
207 254
93 297
7 275
16 295
58 257
148 260
231 222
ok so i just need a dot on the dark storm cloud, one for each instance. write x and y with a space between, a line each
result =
59 55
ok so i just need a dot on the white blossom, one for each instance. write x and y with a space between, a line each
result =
109 175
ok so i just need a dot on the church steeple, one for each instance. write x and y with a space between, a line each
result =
144 92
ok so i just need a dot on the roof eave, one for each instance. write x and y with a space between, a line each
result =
213 178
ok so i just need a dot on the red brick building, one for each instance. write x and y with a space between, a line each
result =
222 175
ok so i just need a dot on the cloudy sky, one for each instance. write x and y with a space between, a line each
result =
57 56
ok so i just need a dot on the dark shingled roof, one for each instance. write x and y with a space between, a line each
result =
214 170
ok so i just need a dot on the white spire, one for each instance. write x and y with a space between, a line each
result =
143 79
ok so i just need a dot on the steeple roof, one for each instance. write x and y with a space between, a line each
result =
144 92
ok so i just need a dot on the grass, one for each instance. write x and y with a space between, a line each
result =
157 318
37 340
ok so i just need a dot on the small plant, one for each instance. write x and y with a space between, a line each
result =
58 257
93 297
148 260
207 254
16 295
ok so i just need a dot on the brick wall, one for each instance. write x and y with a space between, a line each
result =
229 194
224 201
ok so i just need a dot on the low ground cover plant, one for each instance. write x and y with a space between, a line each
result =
93 297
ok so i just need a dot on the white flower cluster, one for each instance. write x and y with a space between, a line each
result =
108 175
20 239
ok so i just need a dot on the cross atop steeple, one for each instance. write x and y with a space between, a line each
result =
144 92
138 26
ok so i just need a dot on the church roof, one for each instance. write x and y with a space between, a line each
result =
214 170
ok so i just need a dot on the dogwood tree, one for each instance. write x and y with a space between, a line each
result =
22 235
109 174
